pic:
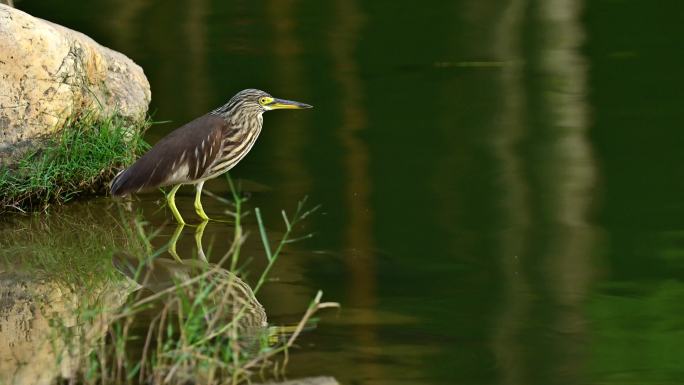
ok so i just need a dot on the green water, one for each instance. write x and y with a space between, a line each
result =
501 182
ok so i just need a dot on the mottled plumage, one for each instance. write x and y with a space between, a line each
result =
202 149
184 155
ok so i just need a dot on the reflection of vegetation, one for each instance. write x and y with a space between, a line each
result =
56 281
208 326
79 161
71 244
188 321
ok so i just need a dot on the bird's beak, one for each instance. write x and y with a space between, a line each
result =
277 104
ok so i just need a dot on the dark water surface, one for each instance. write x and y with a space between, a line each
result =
501 182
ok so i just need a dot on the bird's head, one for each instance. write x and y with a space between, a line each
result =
258 101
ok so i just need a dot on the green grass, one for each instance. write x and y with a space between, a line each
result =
80 160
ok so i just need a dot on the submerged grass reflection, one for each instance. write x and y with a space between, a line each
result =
68 244
208 326
58 289
149 318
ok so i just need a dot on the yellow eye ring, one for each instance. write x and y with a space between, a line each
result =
264 101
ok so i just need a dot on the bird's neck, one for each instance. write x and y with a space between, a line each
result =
243 122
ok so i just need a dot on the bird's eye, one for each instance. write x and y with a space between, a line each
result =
263 101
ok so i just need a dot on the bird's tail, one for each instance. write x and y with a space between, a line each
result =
118 186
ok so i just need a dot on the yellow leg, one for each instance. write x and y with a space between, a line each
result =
198 201
199 232
171 198
174 240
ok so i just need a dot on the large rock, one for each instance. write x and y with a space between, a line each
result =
49 73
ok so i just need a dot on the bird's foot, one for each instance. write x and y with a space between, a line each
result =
200 211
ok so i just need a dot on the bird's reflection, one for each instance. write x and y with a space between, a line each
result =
161 274
158 275
226 291
199 233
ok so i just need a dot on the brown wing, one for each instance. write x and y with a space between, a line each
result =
182 156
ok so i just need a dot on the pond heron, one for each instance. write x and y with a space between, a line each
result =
202 149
